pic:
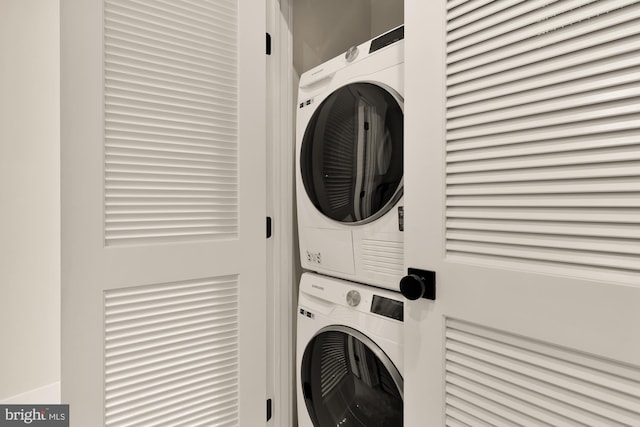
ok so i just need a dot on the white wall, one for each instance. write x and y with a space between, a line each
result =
386 14
324 29
29 196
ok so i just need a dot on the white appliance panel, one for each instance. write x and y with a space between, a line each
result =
375 251
330 306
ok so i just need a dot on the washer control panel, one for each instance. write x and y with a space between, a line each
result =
387 307
326 297
307 313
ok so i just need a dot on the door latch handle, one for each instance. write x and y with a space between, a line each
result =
418 284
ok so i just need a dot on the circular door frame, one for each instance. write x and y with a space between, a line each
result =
399 192
371 345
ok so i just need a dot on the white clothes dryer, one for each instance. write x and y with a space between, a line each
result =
349 354
349 174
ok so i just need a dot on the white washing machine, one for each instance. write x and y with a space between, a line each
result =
349 172
349 354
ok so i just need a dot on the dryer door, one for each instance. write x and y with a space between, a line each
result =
351 153
347 380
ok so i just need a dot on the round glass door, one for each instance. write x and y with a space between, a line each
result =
348 381
351 153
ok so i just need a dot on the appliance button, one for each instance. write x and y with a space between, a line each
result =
351 54
353 298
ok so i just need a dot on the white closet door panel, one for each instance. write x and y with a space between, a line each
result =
522 196
163 207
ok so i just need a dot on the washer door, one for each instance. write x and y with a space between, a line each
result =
347 380
351 153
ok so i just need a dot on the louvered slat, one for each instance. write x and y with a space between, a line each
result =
386 257
494 14
171 354
500 379
543 140
170 121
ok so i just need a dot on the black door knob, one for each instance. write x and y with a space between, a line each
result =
412 287
418 284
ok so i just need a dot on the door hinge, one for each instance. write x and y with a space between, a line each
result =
268 44
269 410
268 227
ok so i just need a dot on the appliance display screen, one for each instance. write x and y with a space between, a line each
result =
387 307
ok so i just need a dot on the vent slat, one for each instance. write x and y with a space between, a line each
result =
542 119
189 23
118 42
547 206
600 158
509 410
172 323
466 82
569 187
121 20
508 209
540 408
127 388
547 241
383 257
565 20
605 260
597 78
538 51
171 350
458 418
614 95
615 231
578 407
495 14
170 120
489 372
542 164
563 147
468 8
477 410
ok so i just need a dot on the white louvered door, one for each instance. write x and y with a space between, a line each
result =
163 210
522 193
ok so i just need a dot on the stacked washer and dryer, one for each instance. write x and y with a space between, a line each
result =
349 177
